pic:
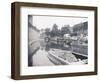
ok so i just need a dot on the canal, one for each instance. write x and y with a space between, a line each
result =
49 54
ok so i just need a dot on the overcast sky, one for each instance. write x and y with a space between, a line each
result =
48 21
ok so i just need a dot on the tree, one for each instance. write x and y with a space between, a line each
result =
54 31
47 31
65 30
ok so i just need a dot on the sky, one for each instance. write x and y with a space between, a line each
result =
42 22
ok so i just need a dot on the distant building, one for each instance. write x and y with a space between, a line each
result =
81 28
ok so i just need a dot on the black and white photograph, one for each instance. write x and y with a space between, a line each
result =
57 40
53 40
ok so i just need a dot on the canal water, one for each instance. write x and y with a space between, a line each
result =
41 55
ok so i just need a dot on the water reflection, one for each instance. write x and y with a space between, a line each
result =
50 53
